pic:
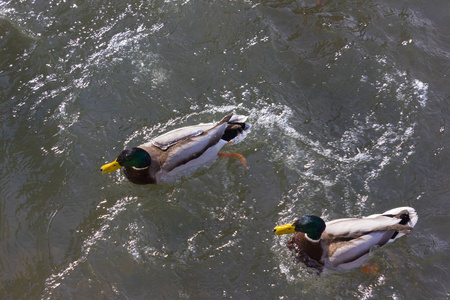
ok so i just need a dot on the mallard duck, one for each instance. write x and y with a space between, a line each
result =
345 243
175 151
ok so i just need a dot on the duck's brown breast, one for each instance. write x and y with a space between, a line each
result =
139 176
310 253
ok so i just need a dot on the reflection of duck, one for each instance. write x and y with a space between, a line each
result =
345 243
178 150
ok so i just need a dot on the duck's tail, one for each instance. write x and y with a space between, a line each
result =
236 129
407 216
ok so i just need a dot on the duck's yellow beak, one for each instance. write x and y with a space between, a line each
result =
111 167
284 229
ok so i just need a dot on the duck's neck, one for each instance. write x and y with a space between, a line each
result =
139 176
313 238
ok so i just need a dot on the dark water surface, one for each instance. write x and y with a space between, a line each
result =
349 104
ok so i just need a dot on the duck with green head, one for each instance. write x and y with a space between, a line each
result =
345 243
178 150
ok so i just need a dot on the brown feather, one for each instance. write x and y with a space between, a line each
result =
308 252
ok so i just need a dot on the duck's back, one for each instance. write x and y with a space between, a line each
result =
173 137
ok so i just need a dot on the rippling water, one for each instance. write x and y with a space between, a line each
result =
348 103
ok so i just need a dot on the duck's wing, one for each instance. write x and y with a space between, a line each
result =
347 252
354 228
192 146
349 239
171 138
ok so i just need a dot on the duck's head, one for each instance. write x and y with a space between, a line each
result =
312 225
134 157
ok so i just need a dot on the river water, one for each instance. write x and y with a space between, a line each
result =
349 106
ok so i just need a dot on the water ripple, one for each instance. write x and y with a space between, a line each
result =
56 279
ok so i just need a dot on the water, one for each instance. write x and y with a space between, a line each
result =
349 107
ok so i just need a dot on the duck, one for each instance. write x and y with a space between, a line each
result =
168 155
344 243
